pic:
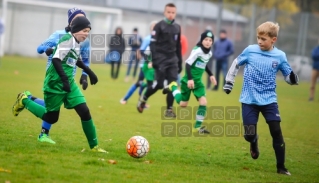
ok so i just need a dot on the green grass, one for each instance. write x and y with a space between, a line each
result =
173 159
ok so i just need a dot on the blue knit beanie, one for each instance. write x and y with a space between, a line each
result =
74 11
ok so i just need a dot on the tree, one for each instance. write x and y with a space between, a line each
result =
285 7
308 5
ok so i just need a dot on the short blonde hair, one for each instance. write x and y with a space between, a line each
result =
270 29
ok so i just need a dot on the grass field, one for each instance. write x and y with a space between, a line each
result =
171 159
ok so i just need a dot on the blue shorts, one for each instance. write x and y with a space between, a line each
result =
250 113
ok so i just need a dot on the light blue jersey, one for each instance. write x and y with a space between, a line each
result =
260 70
53 40
145 46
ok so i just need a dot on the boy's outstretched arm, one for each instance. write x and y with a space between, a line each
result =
48 44
230 77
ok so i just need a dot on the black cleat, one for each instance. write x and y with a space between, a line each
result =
169 113
165 90
254 151
283 171
141 105
202 130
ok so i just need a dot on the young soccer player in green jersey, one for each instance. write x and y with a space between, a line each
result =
59 84
196 64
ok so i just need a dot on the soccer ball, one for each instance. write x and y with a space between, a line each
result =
137 147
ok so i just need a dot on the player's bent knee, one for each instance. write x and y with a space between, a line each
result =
83 111
275 129
183 104
202 101
51 117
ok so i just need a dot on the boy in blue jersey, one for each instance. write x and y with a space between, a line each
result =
262 62
146 72
47 47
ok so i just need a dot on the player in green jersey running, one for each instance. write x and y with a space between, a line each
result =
196 64
59 84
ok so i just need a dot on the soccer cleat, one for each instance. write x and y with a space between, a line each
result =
254 151
170 113
141 105
122 101
165 90
168 88
201 130
18 105
98 149
283 171
45 138
27 93
147 106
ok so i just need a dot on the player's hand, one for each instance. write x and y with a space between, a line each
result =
228 87
213 80
294 79
66 86
190 84
49 51
84 81
150 65
93 78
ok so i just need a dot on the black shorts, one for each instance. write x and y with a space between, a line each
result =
167 70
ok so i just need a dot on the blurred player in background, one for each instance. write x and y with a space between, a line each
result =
196 65
47 47
166 57
135 42
116 51
222 49
262 61
315 72
59 86
146 71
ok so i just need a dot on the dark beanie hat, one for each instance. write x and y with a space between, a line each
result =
205 34
80 23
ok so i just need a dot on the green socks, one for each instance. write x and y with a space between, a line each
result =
177 94
200 116
34 108
90 132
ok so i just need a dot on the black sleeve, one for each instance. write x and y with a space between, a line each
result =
188 71
85 68
179 50
208 71
154 37
58 67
